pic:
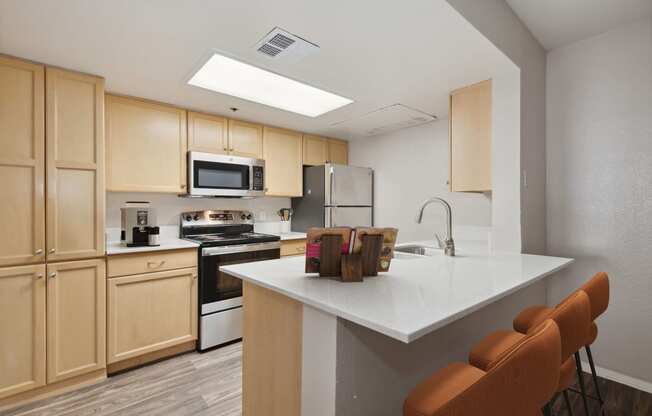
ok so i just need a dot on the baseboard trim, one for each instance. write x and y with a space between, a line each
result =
620 378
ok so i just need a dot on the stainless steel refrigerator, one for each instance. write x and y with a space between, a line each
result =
334 196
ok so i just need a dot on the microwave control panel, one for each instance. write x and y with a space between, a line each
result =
259 181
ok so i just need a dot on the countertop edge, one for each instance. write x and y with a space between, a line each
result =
405 337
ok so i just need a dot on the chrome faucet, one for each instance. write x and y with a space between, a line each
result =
448 244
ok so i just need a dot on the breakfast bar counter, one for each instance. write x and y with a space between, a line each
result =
318 347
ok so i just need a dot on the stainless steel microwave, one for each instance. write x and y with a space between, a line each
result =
223 175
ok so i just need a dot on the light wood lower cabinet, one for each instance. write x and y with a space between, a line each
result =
22 162
76 318
282 151
293 247
149 312
22 329
75 165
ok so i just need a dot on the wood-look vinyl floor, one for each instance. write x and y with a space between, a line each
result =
210 384
190 384
620 400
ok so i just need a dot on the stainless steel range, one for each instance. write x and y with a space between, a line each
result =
225 237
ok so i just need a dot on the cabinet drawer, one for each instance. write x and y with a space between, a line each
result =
127 264
293 247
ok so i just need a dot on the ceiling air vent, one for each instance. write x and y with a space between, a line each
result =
279 43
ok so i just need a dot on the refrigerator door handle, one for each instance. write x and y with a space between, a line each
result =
331 179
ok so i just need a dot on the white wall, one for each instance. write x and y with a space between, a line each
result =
411 165
496 20
169 207
599 192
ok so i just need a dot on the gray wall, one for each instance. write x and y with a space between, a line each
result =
599 193
496 20
411 165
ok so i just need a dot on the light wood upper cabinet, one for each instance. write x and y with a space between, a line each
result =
146 146
22 329
338 152
282 151
470 138
76 318
22 162
315 150
245 139
75 165
149 312
207 133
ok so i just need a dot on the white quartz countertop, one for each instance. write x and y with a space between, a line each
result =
292 235
417 296
115 248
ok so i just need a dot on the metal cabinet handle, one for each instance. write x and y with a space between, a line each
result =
53 275
38 251
52 250
39 275
155 264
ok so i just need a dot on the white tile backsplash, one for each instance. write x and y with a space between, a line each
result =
169 207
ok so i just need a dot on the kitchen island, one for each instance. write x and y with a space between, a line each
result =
316 347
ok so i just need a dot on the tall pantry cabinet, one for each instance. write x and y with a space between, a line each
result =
52 313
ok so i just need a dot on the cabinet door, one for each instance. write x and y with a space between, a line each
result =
283 162
338 152
76 310
22 328
245 139
207 133
315 150
470 138
146 146
75 165
150 312
22 162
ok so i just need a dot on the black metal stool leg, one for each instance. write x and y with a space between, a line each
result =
580 379
547 410
568 403
595 377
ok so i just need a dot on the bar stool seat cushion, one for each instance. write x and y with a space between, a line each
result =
492 347
431 394
531 317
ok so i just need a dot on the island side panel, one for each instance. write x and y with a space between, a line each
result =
319 363
375 372
272 353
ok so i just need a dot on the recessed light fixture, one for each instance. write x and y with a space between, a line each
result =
229 76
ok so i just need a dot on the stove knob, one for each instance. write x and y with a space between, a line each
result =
248 216
196 217
188 218
243 217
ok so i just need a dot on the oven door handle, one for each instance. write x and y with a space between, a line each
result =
241 248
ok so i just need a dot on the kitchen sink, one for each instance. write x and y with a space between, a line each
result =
418 249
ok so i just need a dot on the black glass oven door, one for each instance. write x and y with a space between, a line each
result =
218 286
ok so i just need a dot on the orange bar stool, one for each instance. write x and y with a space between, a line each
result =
573 317
520 383
598 290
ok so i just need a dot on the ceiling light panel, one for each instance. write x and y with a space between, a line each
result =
229 76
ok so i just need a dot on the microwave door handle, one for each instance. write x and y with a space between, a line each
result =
251 177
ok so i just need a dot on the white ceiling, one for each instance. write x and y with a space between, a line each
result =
557 23
376 52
